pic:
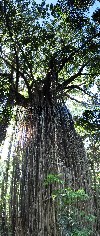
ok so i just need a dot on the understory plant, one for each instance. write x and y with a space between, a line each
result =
73 219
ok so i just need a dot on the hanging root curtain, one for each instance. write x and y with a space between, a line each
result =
45 156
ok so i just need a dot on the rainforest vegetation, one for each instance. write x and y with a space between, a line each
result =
49 118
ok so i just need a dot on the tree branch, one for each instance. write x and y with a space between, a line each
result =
77 87
15 69
14 94
57 64
64 60
72 78
20 99
74 99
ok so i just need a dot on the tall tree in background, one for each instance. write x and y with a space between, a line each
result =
48 52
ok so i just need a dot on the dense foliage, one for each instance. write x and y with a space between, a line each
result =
46 49
49 53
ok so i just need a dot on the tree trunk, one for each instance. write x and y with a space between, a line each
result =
47 143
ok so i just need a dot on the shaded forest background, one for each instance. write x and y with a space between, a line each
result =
49 109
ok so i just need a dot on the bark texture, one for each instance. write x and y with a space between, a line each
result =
45 142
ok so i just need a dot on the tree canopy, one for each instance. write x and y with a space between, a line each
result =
46 49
